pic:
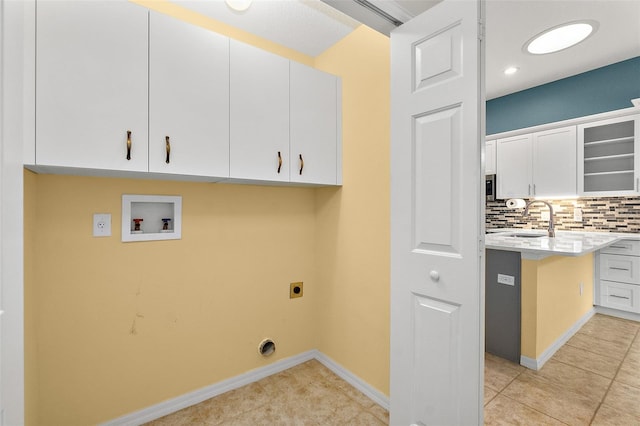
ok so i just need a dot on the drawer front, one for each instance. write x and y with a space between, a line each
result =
625 297
624 269
626 247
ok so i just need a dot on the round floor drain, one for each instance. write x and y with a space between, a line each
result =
267 347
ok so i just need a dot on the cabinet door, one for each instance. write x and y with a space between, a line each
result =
91 84
313 125
259 109
609 157
188 99
490 158
554 163
514 166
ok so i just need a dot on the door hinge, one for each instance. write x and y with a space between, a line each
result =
481 30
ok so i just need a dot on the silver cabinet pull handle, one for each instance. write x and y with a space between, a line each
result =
279 162
618 269
301 164
618 297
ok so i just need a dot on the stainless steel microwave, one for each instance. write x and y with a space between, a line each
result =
491 187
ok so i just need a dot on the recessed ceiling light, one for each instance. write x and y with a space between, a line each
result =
560 37
238 5
511 70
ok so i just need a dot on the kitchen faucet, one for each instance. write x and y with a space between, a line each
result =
552 232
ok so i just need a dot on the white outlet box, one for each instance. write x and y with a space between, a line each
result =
544 215
102 225
506 279
577 214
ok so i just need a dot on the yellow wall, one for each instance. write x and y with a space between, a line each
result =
551 300
115 327
121 326
353 223
172 9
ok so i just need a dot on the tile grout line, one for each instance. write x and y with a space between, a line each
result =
604 397
532 408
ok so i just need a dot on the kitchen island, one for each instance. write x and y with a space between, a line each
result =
556 287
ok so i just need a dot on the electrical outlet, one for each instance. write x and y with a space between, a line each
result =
102 225
506 279
295 290
577 214
544 215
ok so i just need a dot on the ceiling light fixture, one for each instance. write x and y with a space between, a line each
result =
560 37
511 70
239 5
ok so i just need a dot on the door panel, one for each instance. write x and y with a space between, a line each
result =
437 206
435 403
437 154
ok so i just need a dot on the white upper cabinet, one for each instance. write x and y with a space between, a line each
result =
514 166
609 157
188 99
554 163
314 125
121 89
490 158
91 85
541 164
259 107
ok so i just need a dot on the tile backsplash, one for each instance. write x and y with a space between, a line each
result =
611 214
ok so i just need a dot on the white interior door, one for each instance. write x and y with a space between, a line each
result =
13 80
437 215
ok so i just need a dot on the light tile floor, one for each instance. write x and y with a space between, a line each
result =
307 394
593 379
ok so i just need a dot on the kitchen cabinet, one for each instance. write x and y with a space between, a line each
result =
609 157
619 276
122 91
259 108
514 166
91 85
490 157
188 99
314 125
540 164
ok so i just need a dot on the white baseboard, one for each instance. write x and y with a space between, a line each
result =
536 364
617 313
355 381
172 405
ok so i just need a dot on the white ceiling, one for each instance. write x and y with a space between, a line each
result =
311 26
307 26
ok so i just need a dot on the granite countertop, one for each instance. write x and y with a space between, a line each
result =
565 243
